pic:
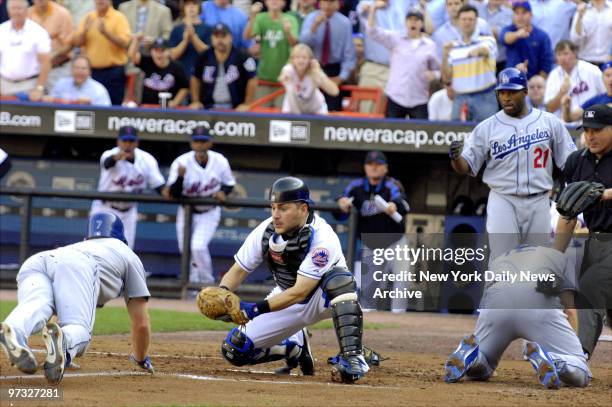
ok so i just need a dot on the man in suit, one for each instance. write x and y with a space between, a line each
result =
148 17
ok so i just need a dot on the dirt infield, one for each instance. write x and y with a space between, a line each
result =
190 371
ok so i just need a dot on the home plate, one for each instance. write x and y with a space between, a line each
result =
605 338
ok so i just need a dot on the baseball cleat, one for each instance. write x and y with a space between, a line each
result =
18 355
461 360
306 360
349 369
543 365
56 353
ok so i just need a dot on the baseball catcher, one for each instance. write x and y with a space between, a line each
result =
578 197
313 283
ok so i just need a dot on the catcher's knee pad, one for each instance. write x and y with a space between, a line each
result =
237 348
340 289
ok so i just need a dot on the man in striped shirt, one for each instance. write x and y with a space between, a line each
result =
470 65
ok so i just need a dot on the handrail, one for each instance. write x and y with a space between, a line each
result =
183 284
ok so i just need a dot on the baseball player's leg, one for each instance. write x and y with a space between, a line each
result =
340 290
274 336
75 288
34 305
535 220
502 224
204 227
550 329
129 219
493 333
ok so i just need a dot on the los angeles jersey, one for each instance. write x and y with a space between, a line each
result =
518 153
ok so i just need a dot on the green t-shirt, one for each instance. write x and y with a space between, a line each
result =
274 45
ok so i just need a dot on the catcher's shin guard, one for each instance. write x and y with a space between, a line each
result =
340 289
239 350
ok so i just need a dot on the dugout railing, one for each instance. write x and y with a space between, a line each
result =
180 285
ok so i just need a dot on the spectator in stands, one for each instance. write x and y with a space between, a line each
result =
578 79
440 105
58 23
498 15
470 65
592 30
25 53
390 16
189 38
304 7
329 35
80 87
450 30
302 77
278 32
359 56
223 76
604 98
413 65
104 36
535 92
149 18
528 47
554 17
78 8
221 11
161 74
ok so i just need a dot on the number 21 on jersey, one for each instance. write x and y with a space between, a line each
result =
540 157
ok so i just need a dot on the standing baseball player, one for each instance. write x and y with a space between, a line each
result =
200 173
127 168
303 254
71 282
541 313
517 145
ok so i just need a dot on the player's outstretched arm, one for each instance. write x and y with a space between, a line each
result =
234 277
564 232
569 308
141 327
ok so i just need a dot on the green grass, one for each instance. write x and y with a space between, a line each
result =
115 320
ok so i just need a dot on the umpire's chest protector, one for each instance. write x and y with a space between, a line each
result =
284 257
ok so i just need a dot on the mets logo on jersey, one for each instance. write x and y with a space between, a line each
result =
320 257
500 149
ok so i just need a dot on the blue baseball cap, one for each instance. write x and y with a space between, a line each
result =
522 4
200 133
376 156
605 66
128 133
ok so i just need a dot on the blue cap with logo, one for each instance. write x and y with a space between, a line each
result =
522 4
128 133
200 133
376 156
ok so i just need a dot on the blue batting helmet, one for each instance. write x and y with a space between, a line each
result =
511 79
105 224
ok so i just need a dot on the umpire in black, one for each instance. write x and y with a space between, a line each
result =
593 163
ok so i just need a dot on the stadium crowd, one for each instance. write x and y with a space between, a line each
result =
435 59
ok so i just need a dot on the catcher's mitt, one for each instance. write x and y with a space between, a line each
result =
577 197
221 304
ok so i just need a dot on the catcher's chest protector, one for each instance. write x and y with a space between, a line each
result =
284 258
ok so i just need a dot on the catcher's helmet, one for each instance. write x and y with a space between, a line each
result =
511 79
105 224
290 189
